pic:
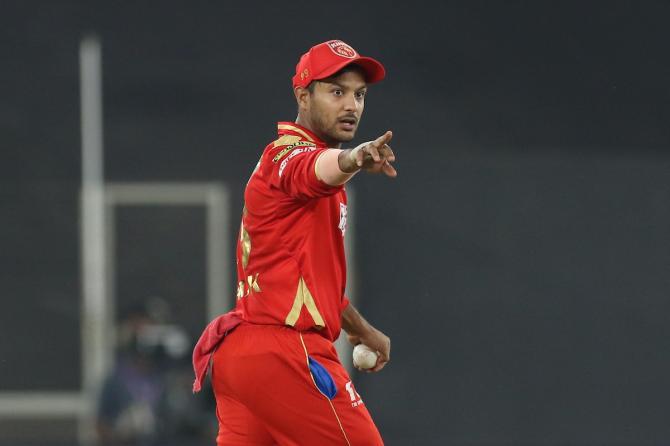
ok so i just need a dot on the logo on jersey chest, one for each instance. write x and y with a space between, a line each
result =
343 218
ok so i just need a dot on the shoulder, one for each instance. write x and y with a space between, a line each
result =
287 146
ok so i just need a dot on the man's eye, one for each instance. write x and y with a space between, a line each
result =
337 92
360 94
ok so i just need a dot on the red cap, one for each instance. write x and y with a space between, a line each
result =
327 58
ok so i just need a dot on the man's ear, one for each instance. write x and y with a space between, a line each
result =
301 97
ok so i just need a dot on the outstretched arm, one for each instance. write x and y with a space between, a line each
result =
335 166
360 331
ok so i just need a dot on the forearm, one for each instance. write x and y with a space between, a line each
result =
335 167
353 322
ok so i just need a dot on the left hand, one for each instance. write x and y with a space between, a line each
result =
376 340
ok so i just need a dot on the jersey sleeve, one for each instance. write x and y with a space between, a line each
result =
345 303
292 170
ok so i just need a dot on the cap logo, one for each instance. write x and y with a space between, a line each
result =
341 49
304 74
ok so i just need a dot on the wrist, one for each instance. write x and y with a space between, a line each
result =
347 161
327 168
361 332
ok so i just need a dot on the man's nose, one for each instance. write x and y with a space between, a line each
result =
351 104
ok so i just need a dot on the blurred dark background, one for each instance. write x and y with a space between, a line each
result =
520 262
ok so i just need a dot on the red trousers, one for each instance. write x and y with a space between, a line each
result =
266 393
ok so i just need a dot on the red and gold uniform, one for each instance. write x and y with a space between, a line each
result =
276 376
290 253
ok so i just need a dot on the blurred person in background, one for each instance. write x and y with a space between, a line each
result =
146 399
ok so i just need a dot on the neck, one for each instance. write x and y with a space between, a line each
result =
306 123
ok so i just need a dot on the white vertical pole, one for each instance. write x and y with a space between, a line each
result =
216 247
95 351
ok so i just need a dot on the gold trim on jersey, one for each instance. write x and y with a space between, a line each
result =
283 152
286 140
304 297
245 242
290 147
295 129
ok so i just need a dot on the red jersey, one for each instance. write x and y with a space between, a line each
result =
291 267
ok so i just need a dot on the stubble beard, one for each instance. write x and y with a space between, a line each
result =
328 131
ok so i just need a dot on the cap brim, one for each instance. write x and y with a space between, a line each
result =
374 70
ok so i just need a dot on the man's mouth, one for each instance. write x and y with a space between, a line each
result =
349 123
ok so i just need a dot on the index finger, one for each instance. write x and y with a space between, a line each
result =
384 139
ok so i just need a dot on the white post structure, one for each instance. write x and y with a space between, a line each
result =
219 291
214 197
98 203
94 328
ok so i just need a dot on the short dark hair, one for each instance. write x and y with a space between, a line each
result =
348 68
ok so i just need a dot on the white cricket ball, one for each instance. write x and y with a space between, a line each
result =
364 357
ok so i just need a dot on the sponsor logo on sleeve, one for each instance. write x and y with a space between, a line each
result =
288 148
293 154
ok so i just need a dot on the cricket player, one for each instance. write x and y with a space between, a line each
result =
275 372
